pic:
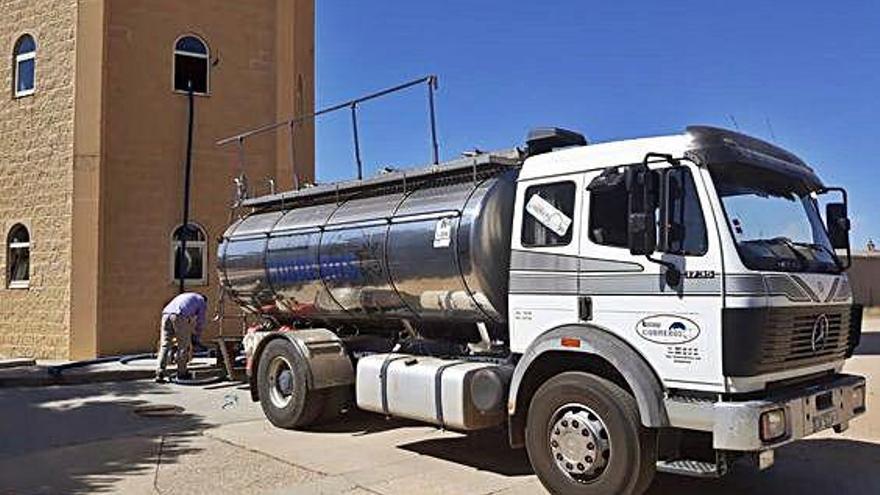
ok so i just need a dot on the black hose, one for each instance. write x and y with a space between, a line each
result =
136 357
58 369
209 380
55 371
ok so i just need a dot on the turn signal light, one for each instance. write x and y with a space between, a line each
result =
772 425
858 399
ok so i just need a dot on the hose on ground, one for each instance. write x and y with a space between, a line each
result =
208 380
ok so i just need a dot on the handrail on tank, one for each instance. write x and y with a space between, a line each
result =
429 80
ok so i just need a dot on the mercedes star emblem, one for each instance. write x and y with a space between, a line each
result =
820 333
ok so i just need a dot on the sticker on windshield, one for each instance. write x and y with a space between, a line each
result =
548 215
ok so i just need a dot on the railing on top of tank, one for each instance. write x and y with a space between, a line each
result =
241 187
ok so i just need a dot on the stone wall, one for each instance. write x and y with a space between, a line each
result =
101 186
36 176
145 142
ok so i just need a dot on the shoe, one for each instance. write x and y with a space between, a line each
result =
159 379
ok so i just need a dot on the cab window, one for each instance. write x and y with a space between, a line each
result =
681 227
548 214
684 229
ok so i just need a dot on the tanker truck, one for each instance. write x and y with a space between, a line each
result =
675 303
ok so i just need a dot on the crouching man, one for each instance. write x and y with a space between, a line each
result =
183 318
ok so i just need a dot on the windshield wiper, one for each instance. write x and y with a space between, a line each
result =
820 247
792 246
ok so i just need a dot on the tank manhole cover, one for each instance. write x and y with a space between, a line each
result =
158 410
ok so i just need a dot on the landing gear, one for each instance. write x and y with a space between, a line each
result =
584 436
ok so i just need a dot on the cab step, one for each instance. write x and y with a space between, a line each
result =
694 468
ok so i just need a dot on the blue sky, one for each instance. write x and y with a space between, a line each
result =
804 72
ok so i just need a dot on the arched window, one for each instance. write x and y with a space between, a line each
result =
24 66
18 258
191 64
195 266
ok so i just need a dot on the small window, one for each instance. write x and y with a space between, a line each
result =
18 258
191 65
195 269
548 213
685 232
608 210
24 66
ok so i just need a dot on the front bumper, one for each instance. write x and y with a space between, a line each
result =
736 425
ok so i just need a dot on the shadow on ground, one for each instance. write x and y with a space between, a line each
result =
93 433
869 345
360 422
485 451
808 467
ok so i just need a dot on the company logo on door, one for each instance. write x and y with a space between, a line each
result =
667 329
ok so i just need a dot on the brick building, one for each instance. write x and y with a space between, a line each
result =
93 119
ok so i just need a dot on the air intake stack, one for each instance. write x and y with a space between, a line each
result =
545 139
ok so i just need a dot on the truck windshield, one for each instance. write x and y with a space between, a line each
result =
774 219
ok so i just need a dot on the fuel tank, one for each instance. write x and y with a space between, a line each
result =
435 250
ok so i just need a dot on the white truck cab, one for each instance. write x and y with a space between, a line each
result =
737 303
670 303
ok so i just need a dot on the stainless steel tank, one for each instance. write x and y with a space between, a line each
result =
436 252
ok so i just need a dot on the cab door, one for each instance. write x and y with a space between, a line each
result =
675 326
543 292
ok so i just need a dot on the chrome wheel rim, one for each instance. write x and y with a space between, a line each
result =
579 442
280 382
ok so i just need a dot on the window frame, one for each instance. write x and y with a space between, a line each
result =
17 59
663 216
202 245
661 247
183 53
588 201
17 284
526 215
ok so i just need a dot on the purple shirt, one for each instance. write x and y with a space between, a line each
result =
188 304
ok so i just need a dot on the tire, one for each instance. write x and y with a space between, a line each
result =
287 402
620 461
337 400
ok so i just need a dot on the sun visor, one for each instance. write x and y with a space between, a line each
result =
720 147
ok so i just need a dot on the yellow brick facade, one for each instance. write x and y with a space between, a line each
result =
36 176
92 163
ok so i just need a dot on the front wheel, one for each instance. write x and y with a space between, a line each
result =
584 437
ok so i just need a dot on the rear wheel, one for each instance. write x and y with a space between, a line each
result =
337 401
282 381
584 436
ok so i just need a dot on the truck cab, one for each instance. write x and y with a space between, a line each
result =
700 269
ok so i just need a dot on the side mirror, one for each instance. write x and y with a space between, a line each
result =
641 184
838 225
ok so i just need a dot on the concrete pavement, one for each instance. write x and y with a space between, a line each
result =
89 438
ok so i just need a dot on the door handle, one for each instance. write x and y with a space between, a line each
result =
585 308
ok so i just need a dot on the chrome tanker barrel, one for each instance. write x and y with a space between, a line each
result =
429 246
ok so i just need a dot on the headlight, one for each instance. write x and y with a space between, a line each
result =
773 425
858 398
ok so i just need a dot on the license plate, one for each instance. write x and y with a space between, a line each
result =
824 421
